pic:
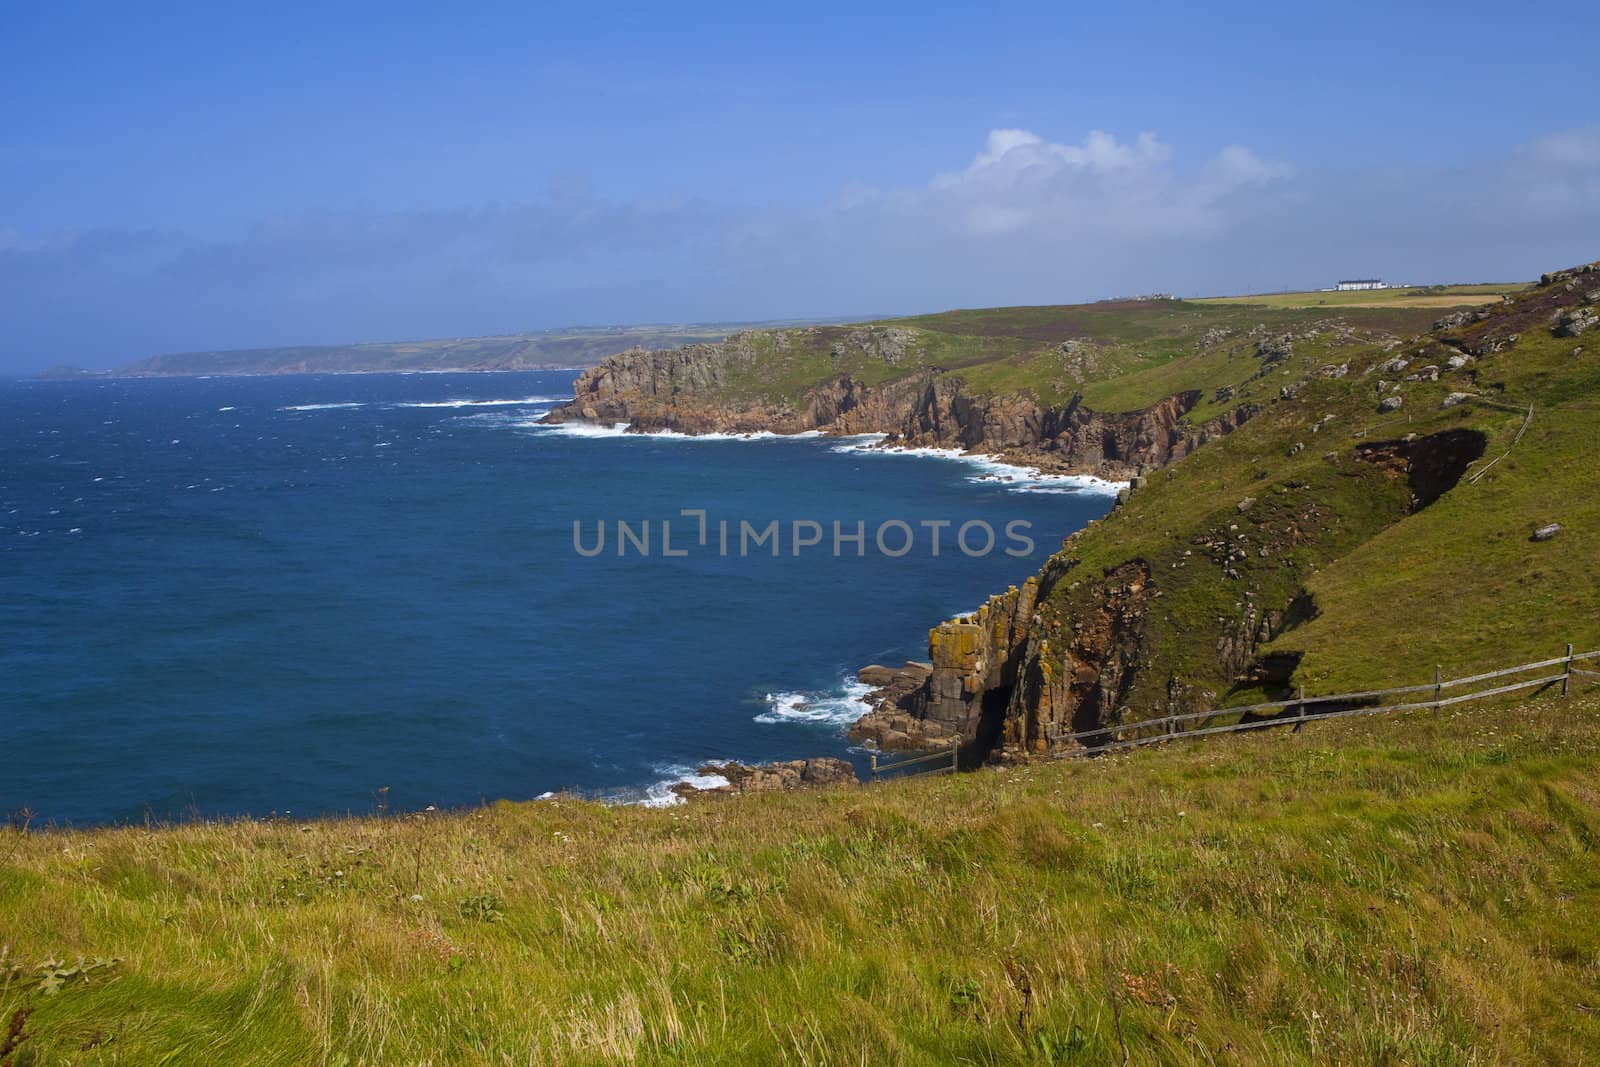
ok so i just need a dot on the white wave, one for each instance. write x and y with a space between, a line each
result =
228 408
753 435
661 795
1022 479
991 469
840 706
523 402
323 407
573 429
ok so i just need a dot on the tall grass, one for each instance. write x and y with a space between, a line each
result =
1415 890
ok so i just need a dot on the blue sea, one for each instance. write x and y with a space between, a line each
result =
322 594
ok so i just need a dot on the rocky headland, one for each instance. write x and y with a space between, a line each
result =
697 390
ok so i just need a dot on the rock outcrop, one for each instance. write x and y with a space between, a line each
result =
784 776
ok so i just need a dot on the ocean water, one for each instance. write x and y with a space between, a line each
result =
322 594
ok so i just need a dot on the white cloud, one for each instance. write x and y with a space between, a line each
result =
1102 187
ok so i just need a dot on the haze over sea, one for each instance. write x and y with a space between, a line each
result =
242 596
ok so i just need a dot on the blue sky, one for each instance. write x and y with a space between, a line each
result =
178 177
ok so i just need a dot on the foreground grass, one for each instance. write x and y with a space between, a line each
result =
1417 890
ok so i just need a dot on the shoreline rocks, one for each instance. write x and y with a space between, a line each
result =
782 776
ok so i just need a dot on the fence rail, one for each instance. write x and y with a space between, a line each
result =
1114 739
938 762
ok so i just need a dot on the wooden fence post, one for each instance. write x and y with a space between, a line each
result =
1301 725
1438 687
955 754
1566 676
873 756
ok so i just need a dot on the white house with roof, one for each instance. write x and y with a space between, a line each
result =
1360 283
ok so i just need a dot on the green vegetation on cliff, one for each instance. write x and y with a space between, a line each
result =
1409 890
1315 510
1121 355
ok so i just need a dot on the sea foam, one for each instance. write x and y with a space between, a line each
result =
840 706
990 469
660 794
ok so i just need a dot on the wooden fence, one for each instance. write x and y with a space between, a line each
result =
932 763
1297 711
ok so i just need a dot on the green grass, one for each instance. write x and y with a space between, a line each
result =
1140 353
1411 890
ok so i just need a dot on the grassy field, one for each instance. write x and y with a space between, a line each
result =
1419 296
1413 890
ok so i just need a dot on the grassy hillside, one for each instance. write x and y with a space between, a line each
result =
1416 890
1298 507
1121 356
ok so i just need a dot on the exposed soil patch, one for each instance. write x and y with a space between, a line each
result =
1431 465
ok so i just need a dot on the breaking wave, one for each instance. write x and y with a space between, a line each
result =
990 469
839 706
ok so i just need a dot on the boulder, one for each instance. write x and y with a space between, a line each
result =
1545 533
1275 349
1574 322
1456 398
1390 403
875 675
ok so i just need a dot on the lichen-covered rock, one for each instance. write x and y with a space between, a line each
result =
1576 321
1275 349
1391 403
891 345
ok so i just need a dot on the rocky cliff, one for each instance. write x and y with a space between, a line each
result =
705 389
1015 673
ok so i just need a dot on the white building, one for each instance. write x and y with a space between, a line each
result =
1360 283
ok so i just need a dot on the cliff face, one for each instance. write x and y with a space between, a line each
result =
695 390
1014 674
